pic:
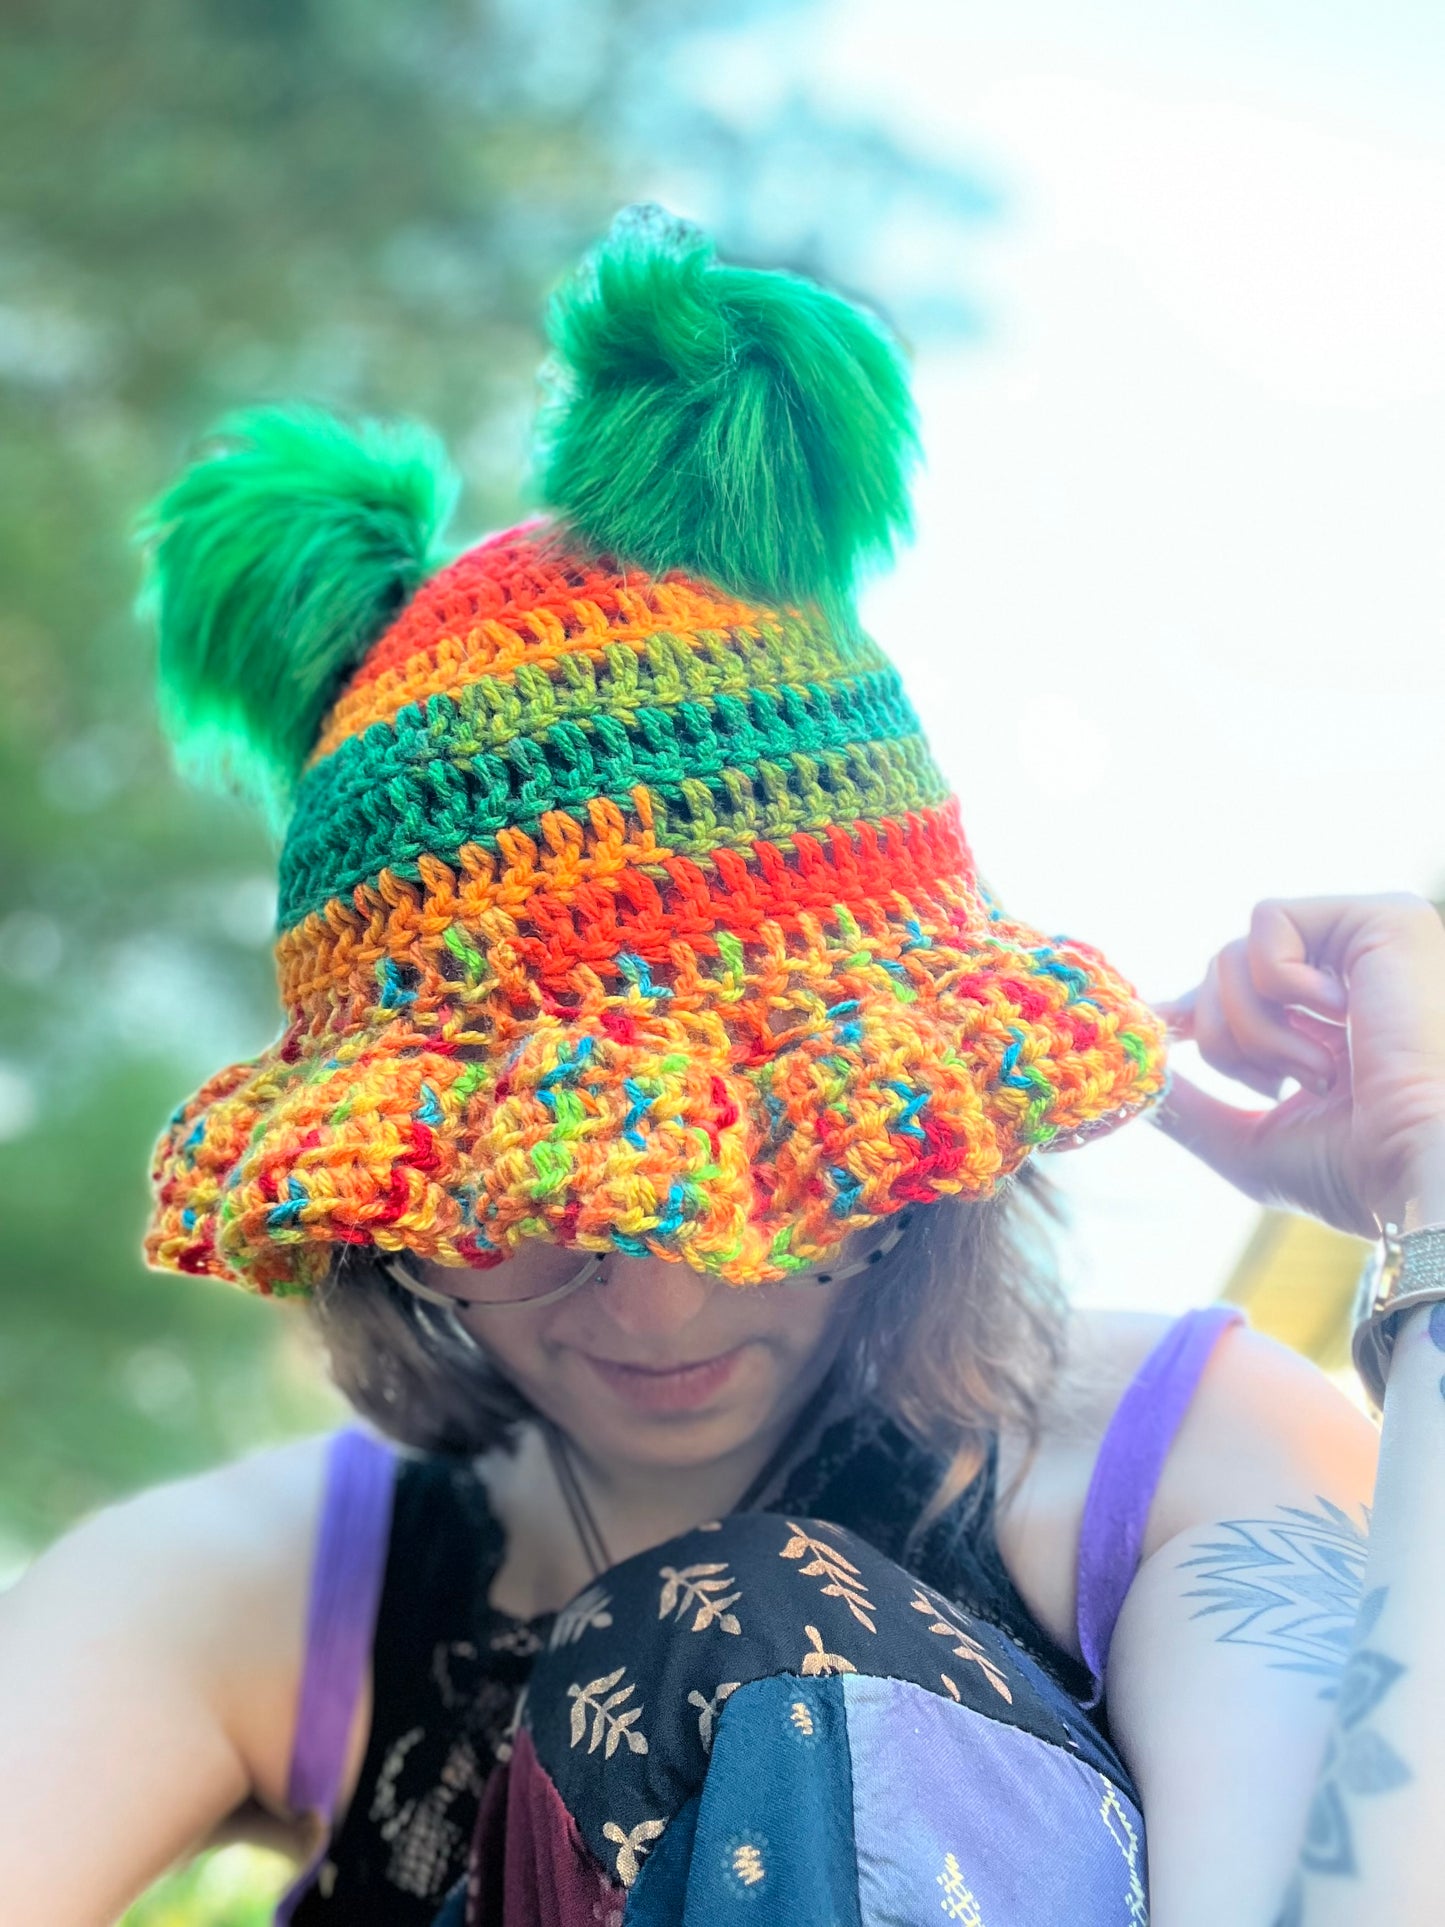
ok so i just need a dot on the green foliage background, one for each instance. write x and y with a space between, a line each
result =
202 203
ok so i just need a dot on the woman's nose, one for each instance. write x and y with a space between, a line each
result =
649 1298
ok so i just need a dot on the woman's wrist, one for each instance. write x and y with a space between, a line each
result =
1424 1200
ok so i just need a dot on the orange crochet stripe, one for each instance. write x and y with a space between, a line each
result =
588 897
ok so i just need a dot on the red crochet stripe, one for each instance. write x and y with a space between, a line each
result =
864 871
502 579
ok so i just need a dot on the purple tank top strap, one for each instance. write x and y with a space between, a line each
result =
1127 1470
346 1577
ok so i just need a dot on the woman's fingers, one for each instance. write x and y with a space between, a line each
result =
1265 1011
1178 1013
1333 1038
1271 1047
1289 948
1218 1045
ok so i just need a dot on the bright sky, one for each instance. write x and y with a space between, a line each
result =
1174 615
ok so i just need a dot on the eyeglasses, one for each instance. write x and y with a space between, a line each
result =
540 1274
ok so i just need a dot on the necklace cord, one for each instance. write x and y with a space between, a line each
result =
579 1508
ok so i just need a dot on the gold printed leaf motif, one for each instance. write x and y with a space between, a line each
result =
703 1589
708 1710
966 1647
854 1605
631 1846
826 1562
588 1609
601 1698
819 1661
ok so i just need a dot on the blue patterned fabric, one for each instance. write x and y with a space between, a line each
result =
770 1837
864 1802
957 1816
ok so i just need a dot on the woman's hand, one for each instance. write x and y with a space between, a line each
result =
1346 996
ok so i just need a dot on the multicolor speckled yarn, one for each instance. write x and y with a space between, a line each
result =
621 912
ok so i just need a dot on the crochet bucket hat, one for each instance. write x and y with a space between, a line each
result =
621 901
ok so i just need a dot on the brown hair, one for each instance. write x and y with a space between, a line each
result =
957 1333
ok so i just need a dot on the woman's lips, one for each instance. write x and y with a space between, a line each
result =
677 1388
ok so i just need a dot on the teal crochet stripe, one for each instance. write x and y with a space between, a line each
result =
694 815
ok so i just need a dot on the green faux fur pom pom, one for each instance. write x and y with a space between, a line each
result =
748 427
276 560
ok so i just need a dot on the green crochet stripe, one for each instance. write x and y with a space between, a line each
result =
663 673
629 672
774 799
709 732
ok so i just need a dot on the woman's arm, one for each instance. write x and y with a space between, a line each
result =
1227 1657
1347 996
1373 1848
149 1667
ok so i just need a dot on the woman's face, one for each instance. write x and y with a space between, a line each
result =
659 1365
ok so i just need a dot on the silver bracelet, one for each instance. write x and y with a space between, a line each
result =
1406 1270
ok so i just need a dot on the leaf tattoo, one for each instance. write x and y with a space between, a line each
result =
1289 1585
1358 1760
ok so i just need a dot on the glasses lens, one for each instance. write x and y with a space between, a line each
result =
535 1270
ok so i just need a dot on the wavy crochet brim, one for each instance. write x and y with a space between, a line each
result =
738 1106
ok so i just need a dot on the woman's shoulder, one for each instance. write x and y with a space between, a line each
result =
224 1531
251 1519
206 1577
1259 1418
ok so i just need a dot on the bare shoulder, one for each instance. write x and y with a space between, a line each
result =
1103 1351
225 1536
207 1575
1262 1420
1265 1426
160 1643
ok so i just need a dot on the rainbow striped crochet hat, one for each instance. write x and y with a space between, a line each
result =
621 902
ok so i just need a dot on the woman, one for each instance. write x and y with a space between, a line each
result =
650 1132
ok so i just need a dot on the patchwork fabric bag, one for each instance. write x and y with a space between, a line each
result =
767 1720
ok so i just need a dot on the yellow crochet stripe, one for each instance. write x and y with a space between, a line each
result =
501 645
